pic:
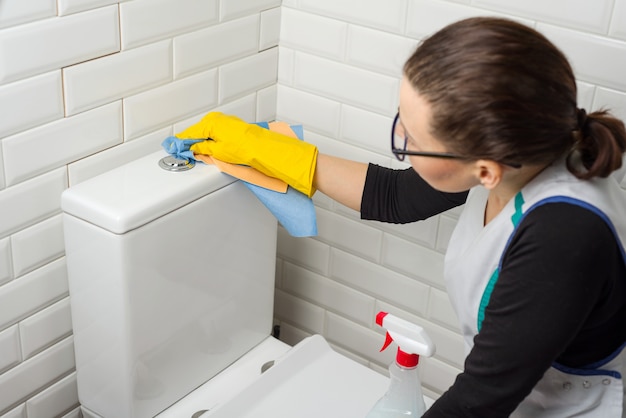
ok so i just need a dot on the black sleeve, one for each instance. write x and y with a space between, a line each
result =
560 296
402 196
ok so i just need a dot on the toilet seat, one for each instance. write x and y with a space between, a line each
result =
307 380
310 381
228 383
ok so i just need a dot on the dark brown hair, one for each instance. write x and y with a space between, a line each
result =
500 90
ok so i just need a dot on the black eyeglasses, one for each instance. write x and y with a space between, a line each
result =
399 140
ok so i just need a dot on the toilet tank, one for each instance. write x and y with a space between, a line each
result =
171 278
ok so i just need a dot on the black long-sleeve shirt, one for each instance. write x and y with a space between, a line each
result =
560 296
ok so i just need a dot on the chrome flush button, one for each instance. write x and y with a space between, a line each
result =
170 163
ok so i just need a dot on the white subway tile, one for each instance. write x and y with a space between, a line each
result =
6 267
361 340
340 149
76 413
61 142
50 44
298 312
313 112
614 101
387 15
378 51
145 21
413 260
31 201
27 294
157 108
327 293
379 281
9 348
111 158
366 129
31 375
425 17
446 227
245 108
266 103
2 180
437 375
67 7
315 34
30 102
586 15
37 245
113 77
618 23
595 59
231 9
236 79
270 28
353 236
207 48
440 310
423 232
306 252
15 12
18 412
45 328
54 400
286 66
347 84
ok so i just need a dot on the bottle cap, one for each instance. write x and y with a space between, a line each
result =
406 359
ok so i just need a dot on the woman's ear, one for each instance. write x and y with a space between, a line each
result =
489 173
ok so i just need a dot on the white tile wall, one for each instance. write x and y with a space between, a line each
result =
9 348
270 28
162 106
31 102
144 21
587 16
54 43
58 143
31 201
111 78
15 12
230 9
6 270
37 245
209 47
87 85
45 328
30 376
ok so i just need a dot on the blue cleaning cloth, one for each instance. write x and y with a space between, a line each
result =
293 209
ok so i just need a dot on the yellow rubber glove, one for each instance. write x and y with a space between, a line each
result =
235 141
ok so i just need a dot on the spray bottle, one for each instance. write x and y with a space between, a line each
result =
404 397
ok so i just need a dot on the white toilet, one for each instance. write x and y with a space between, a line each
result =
171 287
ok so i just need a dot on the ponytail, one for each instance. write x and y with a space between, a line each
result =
600 143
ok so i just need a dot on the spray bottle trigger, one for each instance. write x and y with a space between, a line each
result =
388 341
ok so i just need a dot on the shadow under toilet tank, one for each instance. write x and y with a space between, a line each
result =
171 279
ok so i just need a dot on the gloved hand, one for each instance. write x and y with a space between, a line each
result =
232 140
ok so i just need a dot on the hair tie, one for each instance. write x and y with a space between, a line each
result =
581 115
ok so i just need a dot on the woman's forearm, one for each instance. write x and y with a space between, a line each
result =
340 179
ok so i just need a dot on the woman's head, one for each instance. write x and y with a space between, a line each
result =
500 90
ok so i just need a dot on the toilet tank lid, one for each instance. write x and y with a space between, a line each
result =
136 193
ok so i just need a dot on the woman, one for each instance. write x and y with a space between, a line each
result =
535 268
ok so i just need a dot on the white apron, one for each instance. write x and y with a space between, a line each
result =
471 271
